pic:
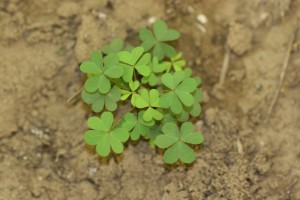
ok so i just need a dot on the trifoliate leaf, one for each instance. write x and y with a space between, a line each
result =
136 125
163 33
98 74
156 41
133 85
99 101
104 135
155 69
134 60
114 47
175 142
176 63
181 89
149 100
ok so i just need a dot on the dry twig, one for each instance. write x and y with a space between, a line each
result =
282 75
224 66
75 95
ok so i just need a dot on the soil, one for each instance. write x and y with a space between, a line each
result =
244 156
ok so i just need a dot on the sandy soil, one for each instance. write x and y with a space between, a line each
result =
42 155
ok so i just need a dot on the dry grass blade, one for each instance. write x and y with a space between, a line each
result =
75 95
224 66
282 75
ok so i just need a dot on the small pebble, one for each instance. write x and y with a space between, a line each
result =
35 193
202 19
151 20
92 171
199 125
101 15
239 146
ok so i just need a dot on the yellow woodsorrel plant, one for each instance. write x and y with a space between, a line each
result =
155 81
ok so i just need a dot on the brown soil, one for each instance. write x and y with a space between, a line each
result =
42 155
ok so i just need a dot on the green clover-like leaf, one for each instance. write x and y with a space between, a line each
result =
133 85
134 60
100 70
99 101
137 126
175 62
193 110
156 41
180 91
149 100
104 136
114 47
156 68
175 142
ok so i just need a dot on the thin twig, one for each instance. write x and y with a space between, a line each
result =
74 95
281 78
224 66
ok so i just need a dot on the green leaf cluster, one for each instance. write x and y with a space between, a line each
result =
155 89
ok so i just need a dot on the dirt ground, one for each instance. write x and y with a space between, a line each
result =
244 156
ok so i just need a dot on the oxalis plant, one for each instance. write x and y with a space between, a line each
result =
152 80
